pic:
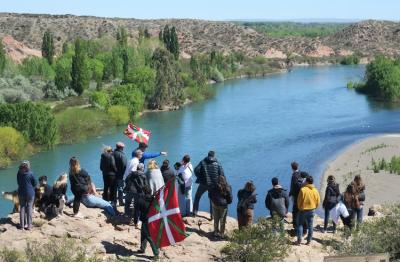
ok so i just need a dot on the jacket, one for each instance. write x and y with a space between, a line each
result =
247 198
167 173
155 180
277 192
308 198
80 182
120 162
218 198
294 189
146 155
135 182
26 184
131 167
332 196
144 203
107 164
207 172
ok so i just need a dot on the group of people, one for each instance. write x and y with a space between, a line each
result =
130 184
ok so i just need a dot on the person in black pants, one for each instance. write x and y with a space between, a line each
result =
144 204
294 190
120 163
80 181
109 169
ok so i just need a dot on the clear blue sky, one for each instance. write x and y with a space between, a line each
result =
213 9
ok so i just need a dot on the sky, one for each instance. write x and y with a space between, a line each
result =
214 9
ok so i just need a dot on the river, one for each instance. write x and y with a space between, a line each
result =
256 126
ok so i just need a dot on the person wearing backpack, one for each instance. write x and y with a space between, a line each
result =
221 197
134 184
246 201
331 199
307 201
277 201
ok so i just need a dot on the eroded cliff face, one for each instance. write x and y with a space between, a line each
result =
367 38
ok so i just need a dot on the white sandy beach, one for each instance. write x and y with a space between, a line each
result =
382 187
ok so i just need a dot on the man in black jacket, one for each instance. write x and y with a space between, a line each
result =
120 163
207 172
277 201
294 190
109 169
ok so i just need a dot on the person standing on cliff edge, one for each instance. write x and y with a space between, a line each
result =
142 147
207 173
294 190
120 163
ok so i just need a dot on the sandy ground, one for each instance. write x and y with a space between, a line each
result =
381 187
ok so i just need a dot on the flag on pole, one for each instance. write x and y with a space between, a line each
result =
165 222
137 134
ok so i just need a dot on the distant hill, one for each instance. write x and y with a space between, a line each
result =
367 38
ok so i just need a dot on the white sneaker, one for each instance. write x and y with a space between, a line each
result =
78 215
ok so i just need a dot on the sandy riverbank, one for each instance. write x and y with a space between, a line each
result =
381 187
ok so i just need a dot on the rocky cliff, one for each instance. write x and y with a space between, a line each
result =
367 38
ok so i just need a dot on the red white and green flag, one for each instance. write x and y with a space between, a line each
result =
165 222
137 134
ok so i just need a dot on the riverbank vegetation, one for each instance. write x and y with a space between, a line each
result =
296 29
392 166
89 86
382 80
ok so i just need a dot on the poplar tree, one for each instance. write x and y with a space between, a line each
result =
48 46
80 69
2 57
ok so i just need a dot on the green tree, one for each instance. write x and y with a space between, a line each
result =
125 65
2 58
65 48
130 96
144 78
167 85
146 33
122 37
174 43
37 67
97 69
63 68
80 70
48 46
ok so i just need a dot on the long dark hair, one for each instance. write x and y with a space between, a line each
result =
222 185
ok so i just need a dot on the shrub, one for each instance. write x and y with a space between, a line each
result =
52 91
12 145
216 75
76 124
257 243
350 60
37 67
20 89
34 121
130 96
119 114
100 99
378 235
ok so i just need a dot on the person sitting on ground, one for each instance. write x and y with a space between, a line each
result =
221 197
207 173
154 176
350 199
120 163
246 200
277 201
46 191
26 193
307 201
109 170
144 204
135 182
166 171
142 147
80 181
58 197
359 187
185 174
331 199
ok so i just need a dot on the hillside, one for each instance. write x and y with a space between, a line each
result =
368 38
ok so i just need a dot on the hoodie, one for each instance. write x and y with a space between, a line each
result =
277 192
308 198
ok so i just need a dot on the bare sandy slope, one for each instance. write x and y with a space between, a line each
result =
381 187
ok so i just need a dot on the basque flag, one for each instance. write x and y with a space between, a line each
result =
165 222
137 134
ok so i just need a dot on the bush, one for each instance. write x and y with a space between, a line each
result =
119 114
130 96
34 121
216 75
350 60
37 67
12 145
76 124
20 89
143 77
378 235
55 250
100 99
257 243
52 91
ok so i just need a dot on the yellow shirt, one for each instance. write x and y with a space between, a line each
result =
308 198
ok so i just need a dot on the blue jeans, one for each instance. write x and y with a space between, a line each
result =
186 202
326 220
359 213
305 216
94 201
25 211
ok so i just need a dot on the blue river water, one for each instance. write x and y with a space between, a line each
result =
256 126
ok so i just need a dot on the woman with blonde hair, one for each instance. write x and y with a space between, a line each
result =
59 194
154 176
359 187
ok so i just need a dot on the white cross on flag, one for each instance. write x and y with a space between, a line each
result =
165 222
138 134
